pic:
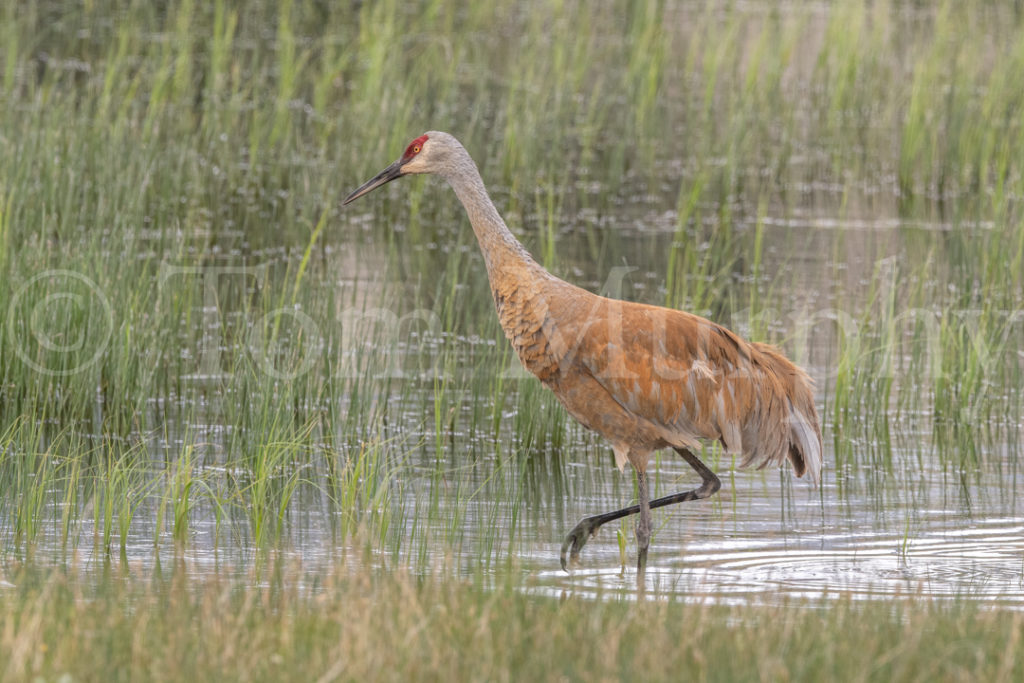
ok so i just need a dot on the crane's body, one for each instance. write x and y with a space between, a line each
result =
644 377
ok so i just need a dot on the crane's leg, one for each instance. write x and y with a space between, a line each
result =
582 532
643 526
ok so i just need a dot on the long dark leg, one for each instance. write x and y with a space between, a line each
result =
643 526
582 532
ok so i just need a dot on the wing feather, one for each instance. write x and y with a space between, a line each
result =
694 379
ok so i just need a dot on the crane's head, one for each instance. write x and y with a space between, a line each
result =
425 154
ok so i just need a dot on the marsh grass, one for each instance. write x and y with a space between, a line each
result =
194 330
436 628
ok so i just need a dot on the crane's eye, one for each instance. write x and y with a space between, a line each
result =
415 147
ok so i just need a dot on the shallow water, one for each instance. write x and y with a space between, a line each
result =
757 559
913 529
766 538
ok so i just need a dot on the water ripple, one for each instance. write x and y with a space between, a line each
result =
982 563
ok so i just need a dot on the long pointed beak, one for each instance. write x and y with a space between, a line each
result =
384 177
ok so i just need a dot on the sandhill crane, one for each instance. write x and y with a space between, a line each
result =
644 377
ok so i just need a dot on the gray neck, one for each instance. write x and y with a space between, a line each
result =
500 248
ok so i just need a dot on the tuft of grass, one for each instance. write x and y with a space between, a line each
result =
429 628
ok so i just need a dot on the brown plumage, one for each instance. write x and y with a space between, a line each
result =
644 377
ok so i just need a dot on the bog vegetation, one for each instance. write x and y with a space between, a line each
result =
206 362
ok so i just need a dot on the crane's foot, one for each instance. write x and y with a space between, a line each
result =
578 538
